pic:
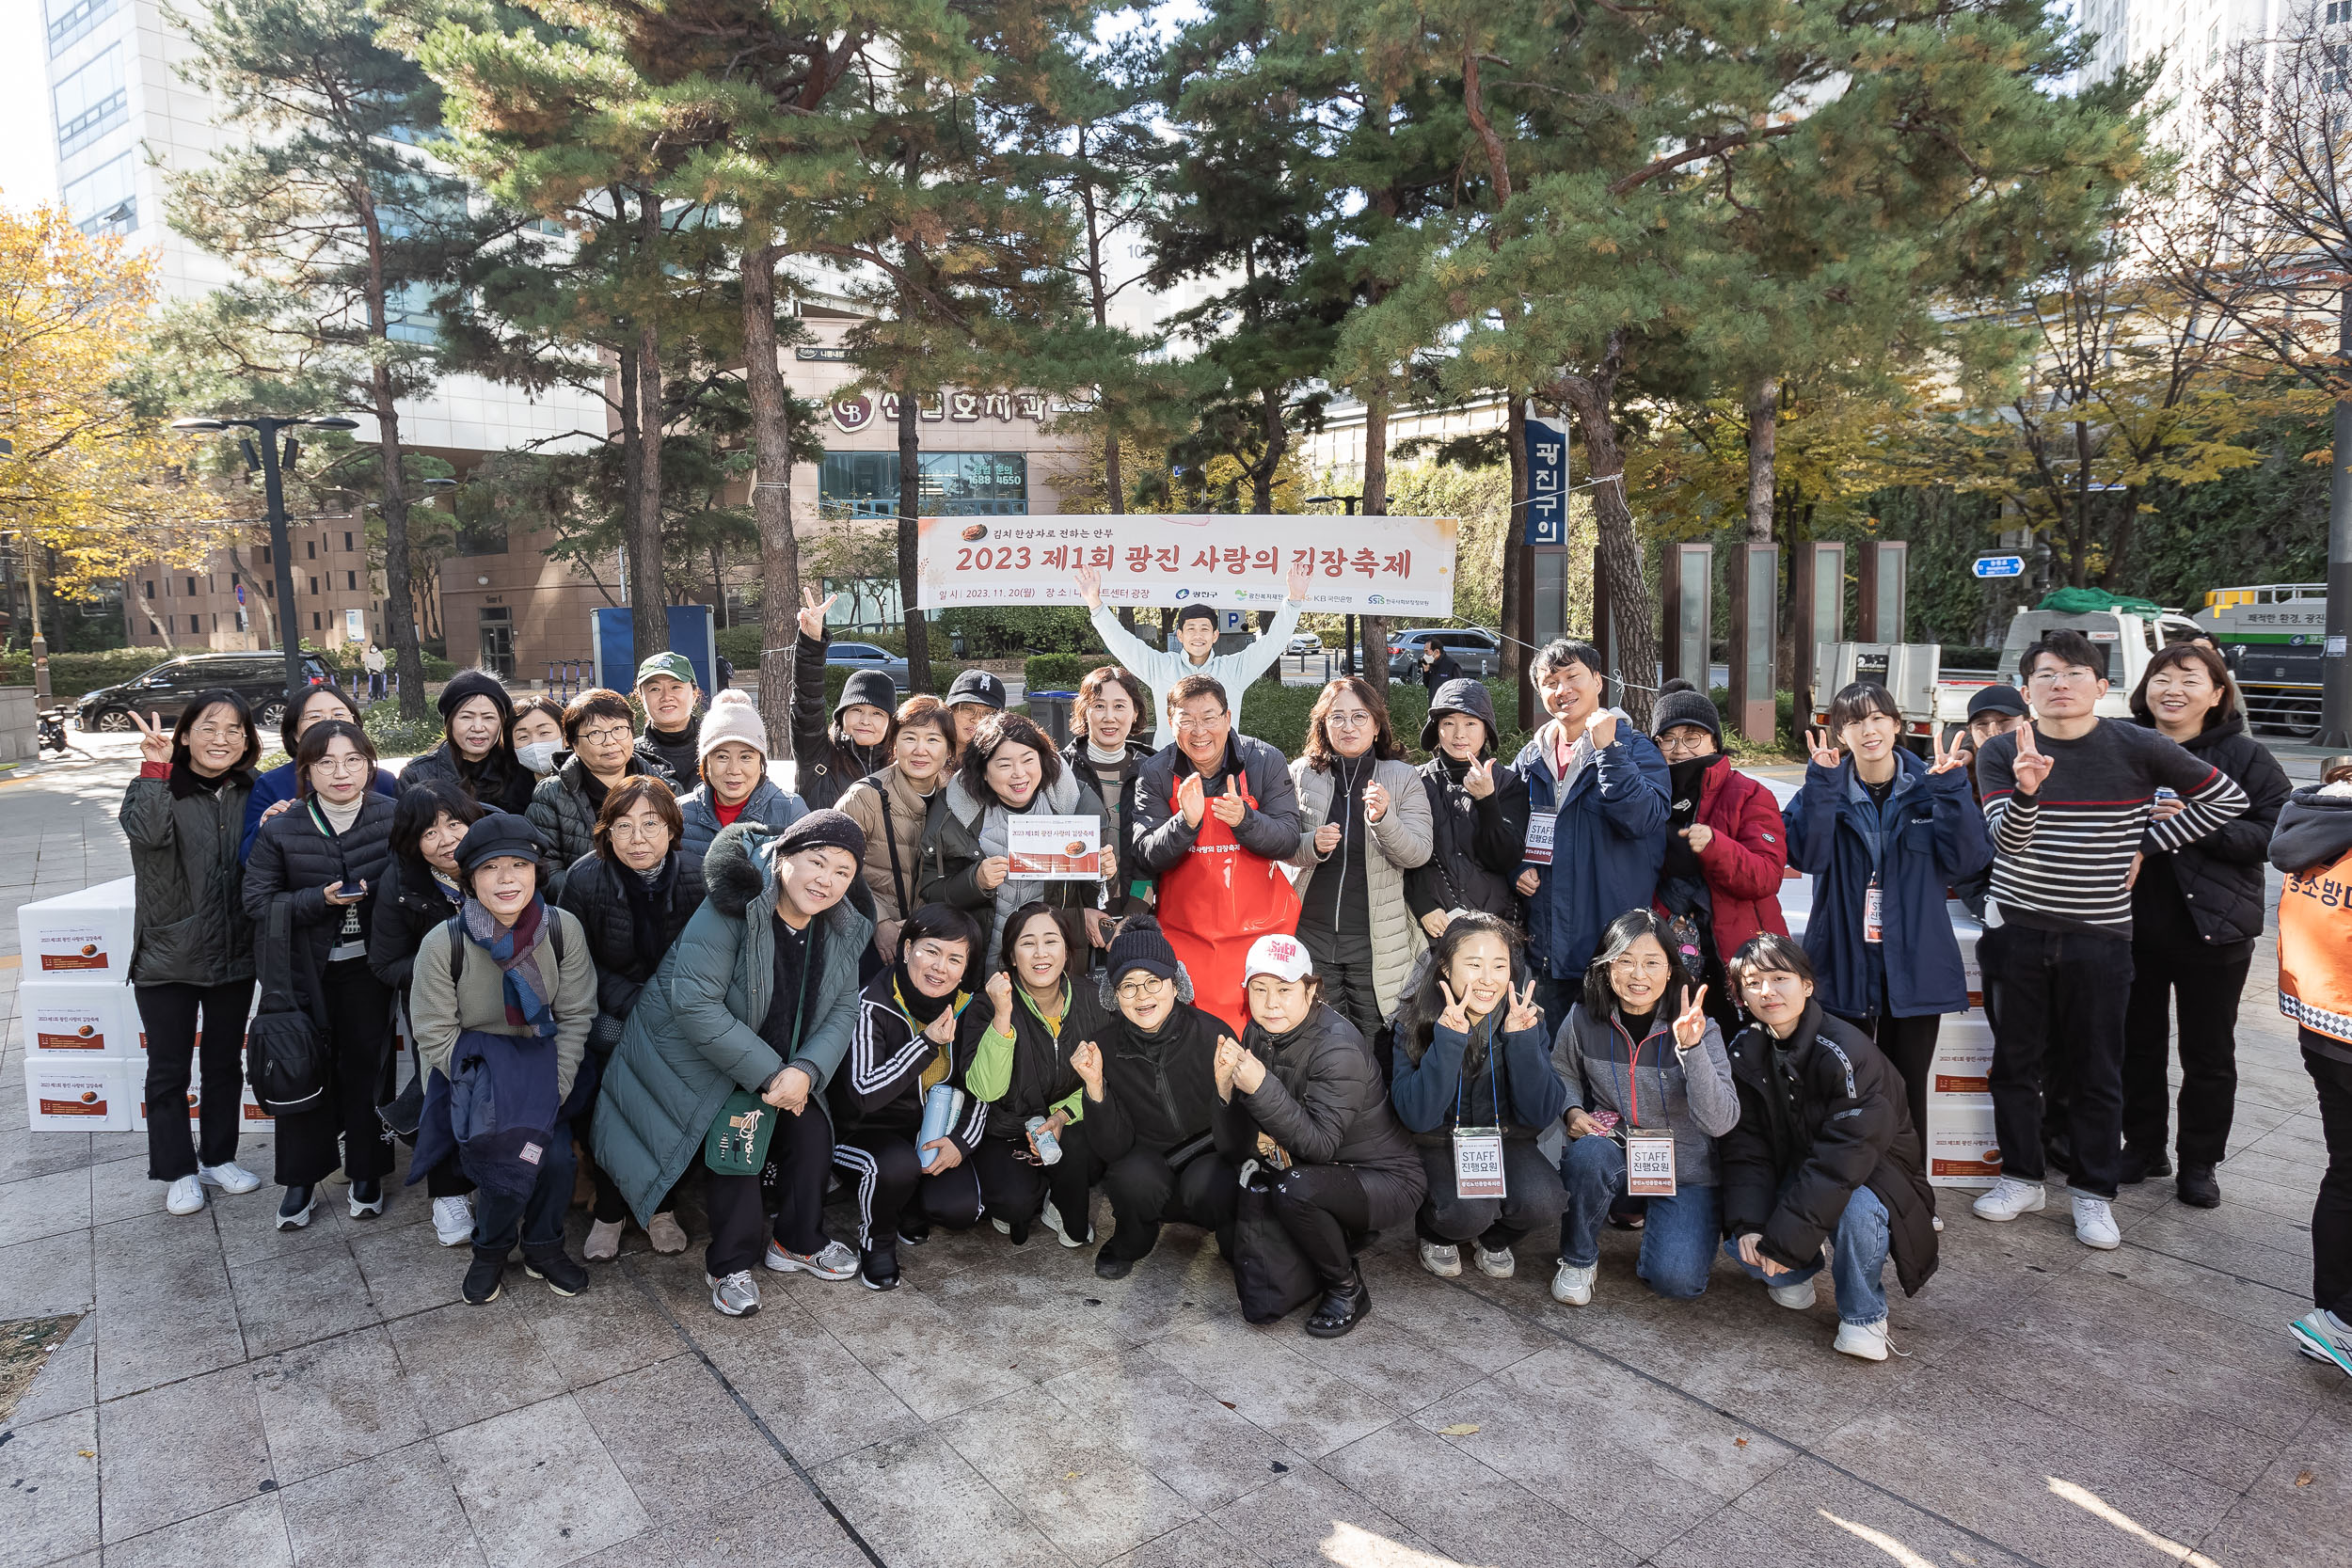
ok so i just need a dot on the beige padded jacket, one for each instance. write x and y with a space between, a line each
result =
1399 841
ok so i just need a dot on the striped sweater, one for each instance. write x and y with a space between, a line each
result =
2061 855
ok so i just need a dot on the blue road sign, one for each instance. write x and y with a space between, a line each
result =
1999 567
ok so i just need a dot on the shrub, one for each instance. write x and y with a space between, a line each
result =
994 631
395 737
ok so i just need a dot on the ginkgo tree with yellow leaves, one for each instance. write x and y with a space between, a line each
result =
88 489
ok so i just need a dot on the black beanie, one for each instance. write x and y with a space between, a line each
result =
1141 945
500 832
467 684
1680 702
872 686
824 830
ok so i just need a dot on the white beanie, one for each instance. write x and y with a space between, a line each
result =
731 717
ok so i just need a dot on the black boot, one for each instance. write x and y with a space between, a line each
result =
366 1198
878 1266
2197 1188
1108 1267
2138 1165
562 1271
914 1230
484 1278
1341 1309
293 1210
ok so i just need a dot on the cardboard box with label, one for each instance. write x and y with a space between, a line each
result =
97 1018
1962 1070
1962 1149
79 936
68 1093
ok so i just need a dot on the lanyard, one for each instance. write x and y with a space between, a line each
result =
1493 1088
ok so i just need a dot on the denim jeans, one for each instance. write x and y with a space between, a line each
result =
1857 1257
499 1221
1677 1237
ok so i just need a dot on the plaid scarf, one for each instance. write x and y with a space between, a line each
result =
515 948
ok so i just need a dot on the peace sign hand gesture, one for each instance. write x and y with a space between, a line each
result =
1957 757
2032 765
1454 1018
813 613
1524 1014
1822 748
1691 1023
154 739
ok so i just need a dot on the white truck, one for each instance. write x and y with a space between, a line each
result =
1934 701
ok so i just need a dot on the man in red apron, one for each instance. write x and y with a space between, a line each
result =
1215 814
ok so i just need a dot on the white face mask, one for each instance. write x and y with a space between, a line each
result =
539 757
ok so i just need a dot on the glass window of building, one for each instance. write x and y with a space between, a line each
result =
106 200
91 101
954 483
69 20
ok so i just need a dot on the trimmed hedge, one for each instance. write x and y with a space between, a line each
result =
72 675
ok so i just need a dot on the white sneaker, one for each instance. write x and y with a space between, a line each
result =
2094 1224
1498 1264
230 1178
1798 1297
1938 1222
737 1295
1001 1227
452 1221
2324 1336
185 1197
1443 1261
1572 1285
836 1261
1867 1342
1052 1217
2008 1197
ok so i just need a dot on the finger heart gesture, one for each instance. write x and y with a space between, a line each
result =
1375 802
1478 780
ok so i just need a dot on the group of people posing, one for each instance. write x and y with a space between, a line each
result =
1303 1003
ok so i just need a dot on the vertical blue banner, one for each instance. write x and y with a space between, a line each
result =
1546 480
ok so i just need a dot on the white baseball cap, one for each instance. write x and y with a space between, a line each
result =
1282 957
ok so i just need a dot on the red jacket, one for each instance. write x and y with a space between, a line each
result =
1746 859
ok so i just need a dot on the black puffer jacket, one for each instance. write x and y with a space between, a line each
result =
1831 1112
561 811
496 781
1157 1090
1475 846
1158 837
294 861
592 890
190 925
1042 1076
675 757
1114 787
825 761
406 906
1323 1102
2219 876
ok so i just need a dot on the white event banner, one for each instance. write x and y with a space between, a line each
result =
1368 565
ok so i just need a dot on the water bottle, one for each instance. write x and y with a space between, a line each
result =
1048 1146
942 1108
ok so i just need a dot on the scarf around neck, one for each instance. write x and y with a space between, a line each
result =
530 999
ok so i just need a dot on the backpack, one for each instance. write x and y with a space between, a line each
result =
284 1059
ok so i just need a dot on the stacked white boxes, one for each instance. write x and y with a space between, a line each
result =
1961 1148
85 1050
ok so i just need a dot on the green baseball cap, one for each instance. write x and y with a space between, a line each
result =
672 665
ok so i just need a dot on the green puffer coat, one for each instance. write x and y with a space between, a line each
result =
190 925
693 1037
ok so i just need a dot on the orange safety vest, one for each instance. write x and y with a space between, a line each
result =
2315 949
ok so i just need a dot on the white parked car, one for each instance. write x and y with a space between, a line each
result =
1306 642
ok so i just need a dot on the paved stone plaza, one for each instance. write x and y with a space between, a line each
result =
239 1396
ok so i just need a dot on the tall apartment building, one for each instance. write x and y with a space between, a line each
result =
2192 36
123 119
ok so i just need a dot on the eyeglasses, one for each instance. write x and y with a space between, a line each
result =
1186 722
2072 673
609 736
338 767
1341 719
1682 738
217 732
1136 990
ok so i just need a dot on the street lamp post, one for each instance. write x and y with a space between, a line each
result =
267 428
1350 502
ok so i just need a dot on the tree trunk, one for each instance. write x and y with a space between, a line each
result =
146 606
771 496
1620 551
648 617
1516 587
718 586
910 501
399 603
1277 443
1763 431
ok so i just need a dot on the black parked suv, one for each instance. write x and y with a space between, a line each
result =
258 678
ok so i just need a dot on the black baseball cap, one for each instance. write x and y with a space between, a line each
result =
1998 699
978 686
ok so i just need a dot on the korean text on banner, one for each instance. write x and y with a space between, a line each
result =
1055 848
1546 480
1371 565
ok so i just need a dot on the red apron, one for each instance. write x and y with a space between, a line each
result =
1214 903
